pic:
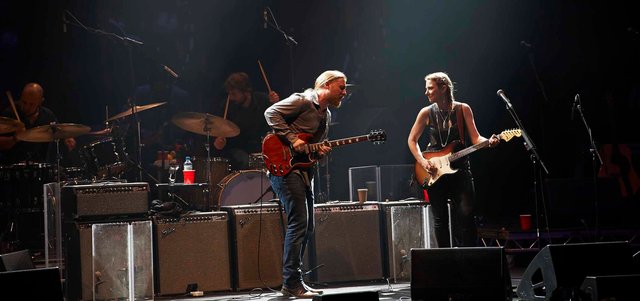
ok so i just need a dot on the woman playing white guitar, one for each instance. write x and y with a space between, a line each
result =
446 121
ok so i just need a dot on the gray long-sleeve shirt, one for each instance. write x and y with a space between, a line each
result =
299 113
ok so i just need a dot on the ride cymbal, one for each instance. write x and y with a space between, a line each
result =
52 132
8 125
204 123
136 109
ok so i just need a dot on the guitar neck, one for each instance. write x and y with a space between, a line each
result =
465 152
340 142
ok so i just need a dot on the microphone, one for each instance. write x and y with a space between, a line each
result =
576 101
264 17
171 72
504 97
525 44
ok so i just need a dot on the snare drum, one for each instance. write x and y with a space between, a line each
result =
256 161
242 188
220 168
105 158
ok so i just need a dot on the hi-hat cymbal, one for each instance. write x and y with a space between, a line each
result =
136 109
8 125
203 124
52 132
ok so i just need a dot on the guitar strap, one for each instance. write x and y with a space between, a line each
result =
460 120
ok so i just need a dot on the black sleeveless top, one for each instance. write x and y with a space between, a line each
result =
442 128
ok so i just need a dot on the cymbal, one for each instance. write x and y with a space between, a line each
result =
8 125
51 132
203 124
136 109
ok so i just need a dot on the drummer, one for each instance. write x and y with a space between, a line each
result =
31 113
245 109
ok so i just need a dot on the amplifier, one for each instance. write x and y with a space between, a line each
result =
405 225
108 261
192 249
347 242
95 201
257 232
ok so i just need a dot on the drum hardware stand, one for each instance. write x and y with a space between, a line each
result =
269 189
208 148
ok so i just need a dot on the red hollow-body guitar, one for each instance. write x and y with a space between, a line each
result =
443 158
280 157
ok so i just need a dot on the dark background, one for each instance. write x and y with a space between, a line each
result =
541 53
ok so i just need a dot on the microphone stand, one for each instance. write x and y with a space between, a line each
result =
289 41
128 42
535 160
594 155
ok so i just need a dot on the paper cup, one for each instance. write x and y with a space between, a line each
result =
362 195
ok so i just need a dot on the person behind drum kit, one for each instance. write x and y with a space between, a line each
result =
31 113
245 106
306 112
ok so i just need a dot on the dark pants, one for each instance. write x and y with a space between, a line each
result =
457 187
297 199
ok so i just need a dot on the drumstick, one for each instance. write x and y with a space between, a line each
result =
226 107
264 76
13 105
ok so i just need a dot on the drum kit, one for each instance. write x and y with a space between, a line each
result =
226 187
106 159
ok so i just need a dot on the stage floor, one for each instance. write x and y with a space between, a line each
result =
386 291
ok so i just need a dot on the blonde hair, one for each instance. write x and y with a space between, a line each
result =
327 77
441 78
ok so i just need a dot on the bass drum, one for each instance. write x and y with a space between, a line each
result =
242 188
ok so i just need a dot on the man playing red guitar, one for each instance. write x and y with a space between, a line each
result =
302 115
447 121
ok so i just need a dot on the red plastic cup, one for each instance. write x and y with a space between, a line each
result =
525 222
188 175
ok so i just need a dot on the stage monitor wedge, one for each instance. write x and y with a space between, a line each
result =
474 273
557 271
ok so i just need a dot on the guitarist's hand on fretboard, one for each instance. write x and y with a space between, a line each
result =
494 140
300 146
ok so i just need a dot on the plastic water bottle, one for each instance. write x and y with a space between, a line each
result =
187 163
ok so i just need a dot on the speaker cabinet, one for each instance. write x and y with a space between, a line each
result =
105 261
14 261
257 232
557 271
405 225
475 273
94 202
363 296
33 284
192 249
347 243
612 287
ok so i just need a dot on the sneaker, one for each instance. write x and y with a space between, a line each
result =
311 289
299 292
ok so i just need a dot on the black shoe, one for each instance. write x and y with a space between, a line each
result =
299 292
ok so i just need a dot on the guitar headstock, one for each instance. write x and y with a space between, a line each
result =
377 136
506 135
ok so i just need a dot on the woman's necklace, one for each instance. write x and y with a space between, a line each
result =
444 124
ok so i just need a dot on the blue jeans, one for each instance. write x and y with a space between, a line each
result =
297 200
